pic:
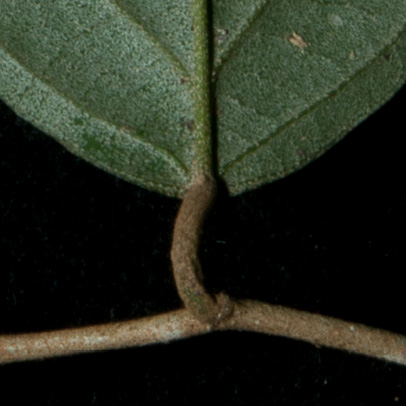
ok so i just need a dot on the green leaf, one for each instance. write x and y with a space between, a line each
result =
125 83
299 76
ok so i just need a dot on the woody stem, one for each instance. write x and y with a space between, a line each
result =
187 270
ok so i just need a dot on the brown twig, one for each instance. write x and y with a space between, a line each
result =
150 330
317 329
187 270
203 312
247 316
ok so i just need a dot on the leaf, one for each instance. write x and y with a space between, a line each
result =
283 104
122 83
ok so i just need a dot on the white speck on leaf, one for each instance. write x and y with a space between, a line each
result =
296 40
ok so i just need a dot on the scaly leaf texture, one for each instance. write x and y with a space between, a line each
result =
123 83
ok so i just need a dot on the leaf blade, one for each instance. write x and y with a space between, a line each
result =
288 80
89 55
63 116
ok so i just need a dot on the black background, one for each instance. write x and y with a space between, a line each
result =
79 246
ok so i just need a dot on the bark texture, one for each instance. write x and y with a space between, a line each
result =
208 309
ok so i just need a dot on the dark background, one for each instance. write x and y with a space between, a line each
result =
79 246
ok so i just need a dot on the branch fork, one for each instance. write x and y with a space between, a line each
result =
204 312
